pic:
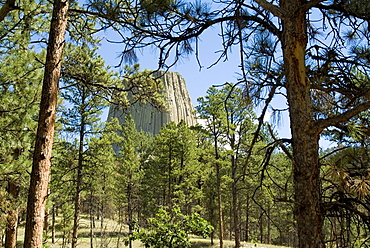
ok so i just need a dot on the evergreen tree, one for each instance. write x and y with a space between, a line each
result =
173 168
130 171
85 107
295 49
21 77
45 131
99 178
62 187
19 105
229 120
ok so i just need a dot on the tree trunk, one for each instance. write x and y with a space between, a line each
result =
77 200
45 132
91 220
247 220
235 203
53 225
219 201
261 227
268 220
219 197
12 218
46 225
129 210
305 136
102 229
212 217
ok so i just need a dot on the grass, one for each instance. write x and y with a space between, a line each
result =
110 236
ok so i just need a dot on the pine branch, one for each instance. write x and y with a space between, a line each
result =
275 10
324 123
8 6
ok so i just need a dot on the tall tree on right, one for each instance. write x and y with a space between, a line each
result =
298 49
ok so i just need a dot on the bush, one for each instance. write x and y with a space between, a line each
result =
171 229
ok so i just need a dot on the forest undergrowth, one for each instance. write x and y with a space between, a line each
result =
112 235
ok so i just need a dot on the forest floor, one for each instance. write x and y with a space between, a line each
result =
107 236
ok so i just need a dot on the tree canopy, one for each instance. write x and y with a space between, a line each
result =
313 53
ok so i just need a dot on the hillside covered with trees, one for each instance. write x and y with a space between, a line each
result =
230 178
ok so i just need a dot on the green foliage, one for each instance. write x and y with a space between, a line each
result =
171 229
173 168
346 181
19 97
142 86
20 78
157 6
129 172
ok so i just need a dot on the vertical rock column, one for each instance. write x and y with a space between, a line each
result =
149 119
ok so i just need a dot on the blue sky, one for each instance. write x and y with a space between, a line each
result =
198 79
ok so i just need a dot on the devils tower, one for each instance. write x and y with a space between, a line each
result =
149 119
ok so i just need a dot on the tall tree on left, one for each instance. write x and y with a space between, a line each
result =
45 133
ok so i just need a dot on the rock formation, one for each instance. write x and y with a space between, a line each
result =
149 119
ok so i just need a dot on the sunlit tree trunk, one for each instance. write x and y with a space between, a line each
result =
45 132
306 168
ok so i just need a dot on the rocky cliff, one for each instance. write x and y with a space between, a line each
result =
150 119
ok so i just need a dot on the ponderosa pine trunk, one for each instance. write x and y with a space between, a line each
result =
305 136
12 218
45 132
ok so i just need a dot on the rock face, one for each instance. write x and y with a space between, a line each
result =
149 119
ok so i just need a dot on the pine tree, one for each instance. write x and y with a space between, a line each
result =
130 171
230 119
45 132
82 69
173 168
298 56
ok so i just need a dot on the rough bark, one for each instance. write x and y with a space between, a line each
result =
305 137
45 133
12 218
